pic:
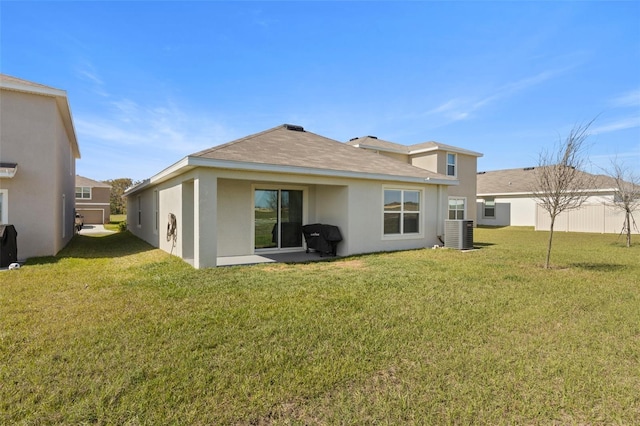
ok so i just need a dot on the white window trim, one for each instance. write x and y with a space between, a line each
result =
484 208
139 212
455 165
4 214
82 192
464 211
421 215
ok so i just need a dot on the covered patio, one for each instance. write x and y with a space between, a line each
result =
253 259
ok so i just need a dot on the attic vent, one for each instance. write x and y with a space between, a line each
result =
353 139
372 137
294 127
528 168
481 173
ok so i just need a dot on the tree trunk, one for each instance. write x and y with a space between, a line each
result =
547 261
628 223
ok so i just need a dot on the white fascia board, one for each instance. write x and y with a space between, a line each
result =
136 188
274 168
453 149
65 109
189 163
504 194
39 90
378 148
532 194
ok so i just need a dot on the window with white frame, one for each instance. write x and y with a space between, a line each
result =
452 166
456 208
401 212
83 192
489 208
4 206
139 202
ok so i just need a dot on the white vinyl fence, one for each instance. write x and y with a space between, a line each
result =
597 218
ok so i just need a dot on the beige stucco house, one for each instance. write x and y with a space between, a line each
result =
458 163
38 152
506 198
93 200
252 196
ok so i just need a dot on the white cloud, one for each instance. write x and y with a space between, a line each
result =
162 128
621 124
458 109
87 72
629 99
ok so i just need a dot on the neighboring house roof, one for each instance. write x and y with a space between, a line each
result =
86 182
18 85
522 181
291 149
372 142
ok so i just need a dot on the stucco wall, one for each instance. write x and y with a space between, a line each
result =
466 174
32 134
510 211
235 201
429 161
354 205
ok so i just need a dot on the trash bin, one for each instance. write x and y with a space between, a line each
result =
322 238
8 245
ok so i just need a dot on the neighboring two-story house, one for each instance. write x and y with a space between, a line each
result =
451 161
38 152
93 200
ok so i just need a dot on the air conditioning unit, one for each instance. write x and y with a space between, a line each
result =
458 234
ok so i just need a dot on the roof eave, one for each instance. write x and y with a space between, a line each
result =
379 148
276 168
447 149
189 162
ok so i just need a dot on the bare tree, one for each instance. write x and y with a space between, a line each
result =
560 183
627 196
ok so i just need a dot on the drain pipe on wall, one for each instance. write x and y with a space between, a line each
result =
439 217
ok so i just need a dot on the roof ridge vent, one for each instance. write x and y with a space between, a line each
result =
353 139
528 168
372 137
294 127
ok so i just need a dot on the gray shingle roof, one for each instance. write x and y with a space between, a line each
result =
283 147
374 142
83 181
511 181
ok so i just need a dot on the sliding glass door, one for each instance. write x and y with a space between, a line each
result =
277 218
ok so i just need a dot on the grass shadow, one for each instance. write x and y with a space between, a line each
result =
97 246
599 267
478 245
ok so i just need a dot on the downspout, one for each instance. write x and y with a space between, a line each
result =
439 218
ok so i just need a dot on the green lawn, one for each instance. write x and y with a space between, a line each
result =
114 332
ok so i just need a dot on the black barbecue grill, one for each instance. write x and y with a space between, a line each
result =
322 238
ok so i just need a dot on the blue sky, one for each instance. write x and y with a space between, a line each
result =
151 82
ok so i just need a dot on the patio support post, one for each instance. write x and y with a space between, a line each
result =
205 221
